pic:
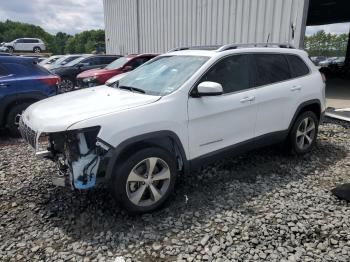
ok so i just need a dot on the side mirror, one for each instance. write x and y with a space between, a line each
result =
208 88
127 68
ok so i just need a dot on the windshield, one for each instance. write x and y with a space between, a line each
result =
163 75
76 61
117 63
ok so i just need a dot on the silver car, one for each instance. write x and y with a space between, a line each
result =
35 45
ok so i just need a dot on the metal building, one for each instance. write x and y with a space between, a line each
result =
137 26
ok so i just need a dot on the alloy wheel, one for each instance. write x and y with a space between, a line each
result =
148 181
305 133
66 85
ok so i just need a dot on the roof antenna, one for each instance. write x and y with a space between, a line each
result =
267 41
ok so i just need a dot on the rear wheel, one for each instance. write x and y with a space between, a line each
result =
145 180
304 133
66 85
13 117
36 49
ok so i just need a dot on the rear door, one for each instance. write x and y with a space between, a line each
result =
273 93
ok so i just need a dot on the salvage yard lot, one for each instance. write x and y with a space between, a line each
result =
264 205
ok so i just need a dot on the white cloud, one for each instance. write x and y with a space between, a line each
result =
332 28
70 16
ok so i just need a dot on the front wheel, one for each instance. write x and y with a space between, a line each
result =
10 49
302 137
145 180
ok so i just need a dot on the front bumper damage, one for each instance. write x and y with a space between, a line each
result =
81 159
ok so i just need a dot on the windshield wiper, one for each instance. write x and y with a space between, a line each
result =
132 89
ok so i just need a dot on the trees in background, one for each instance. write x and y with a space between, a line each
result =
323 44
61 43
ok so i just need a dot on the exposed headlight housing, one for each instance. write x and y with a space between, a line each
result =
89 79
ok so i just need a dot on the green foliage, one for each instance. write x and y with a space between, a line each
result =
322 44
61 43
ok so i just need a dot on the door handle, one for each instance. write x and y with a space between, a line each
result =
296 88
247 99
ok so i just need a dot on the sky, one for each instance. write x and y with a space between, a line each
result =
73 16
69 16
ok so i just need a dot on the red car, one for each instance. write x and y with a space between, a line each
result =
124 64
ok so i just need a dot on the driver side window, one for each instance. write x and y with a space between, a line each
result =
231 72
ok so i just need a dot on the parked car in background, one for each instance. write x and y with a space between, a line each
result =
3 48
62 61
339 61
179 111
112 81
35 45
22 82
318 59
96 77
327 62
50 60
69 72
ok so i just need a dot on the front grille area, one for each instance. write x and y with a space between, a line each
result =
27 133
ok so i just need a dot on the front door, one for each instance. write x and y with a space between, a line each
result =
216 122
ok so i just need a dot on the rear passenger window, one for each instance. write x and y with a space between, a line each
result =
231 72
271 68
297 65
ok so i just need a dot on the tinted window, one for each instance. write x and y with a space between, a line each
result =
28 41
297 65
19 41
231 72
138 61
3 71
92 61
107 59
16 69
271 68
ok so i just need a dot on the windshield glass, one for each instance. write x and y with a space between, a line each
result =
163 75
117 63
76 61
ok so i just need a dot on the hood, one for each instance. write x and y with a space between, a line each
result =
58 113
97 72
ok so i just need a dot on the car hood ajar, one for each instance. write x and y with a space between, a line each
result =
58 113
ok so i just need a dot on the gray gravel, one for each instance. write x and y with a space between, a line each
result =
264 205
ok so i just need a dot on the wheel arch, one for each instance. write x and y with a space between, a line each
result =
8 103
313 105
167 140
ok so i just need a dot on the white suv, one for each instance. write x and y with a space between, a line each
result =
174 113
35 45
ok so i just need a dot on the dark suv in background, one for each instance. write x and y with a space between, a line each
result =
22 82
69 72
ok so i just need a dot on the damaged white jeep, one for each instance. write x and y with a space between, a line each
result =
174 113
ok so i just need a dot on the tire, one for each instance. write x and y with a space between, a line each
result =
12 118
10 49
303 135
147 192
66 85
37 49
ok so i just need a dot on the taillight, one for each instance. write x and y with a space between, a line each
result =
50 80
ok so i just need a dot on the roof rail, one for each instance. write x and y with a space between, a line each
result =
207 47
235 46
219 48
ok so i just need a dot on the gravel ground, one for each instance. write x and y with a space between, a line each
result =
264 205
